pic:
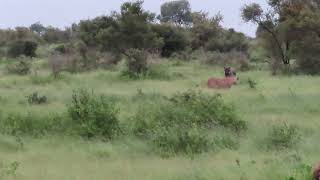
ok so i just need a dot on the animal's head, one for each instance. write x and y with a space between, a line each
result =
228 71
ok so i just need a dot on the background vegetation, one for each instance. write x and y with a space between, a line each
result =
124 96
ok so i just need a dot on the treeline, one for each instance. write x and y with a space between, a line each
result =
287 38
290 32
132 33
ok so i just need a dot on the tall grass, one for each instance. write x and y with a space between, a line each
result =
56 155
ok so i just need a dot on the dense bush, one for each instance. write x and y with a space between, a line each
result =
169 141
35 98
308 59
302 171
185 55
57 63
175 39
108 60
228 41
180 124
234 58
137 65
22 67
283 137
94 116
26 48
61 48
17 124
158 71
55 35
252 83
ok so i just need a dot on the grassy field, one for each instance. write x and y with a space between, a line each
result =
294 100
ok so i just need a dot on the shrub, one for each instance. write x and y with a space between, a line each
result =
233 58
209 110
185 55
9 170
309 64
252 83
70 62
26 48
35 98
227 42
169 141
57 63
61 48
283 136
22 67
227 142
244 64
17 124
303 172
276 66
181 123
107 60
93 115
175 39
137 64
158 71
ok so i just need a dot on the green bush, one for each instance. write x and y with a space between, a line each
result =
26 48
9 170
234 58
226 142
22 67
158 71
252 83
301 172
209 110
35 98
181 124
61 48
174 38
283 137
309 64
137 65
169 141
32 124
93 115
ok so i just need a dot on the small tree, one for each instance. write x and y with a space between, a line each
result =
205 28
20 47
177 12
55 35
136 62
38 28
268 22
56 62
307 46
290 30
130 30
174 38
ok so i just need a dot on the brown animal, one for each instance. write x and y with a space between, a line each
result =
316 173
224 83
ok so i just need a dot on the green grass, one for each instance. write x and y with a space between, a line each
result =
275 100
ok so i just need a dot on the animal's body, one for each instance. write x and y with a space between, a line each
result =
222 83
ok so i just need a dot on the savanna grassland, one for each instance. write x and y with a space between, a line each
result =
270 102
124 95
